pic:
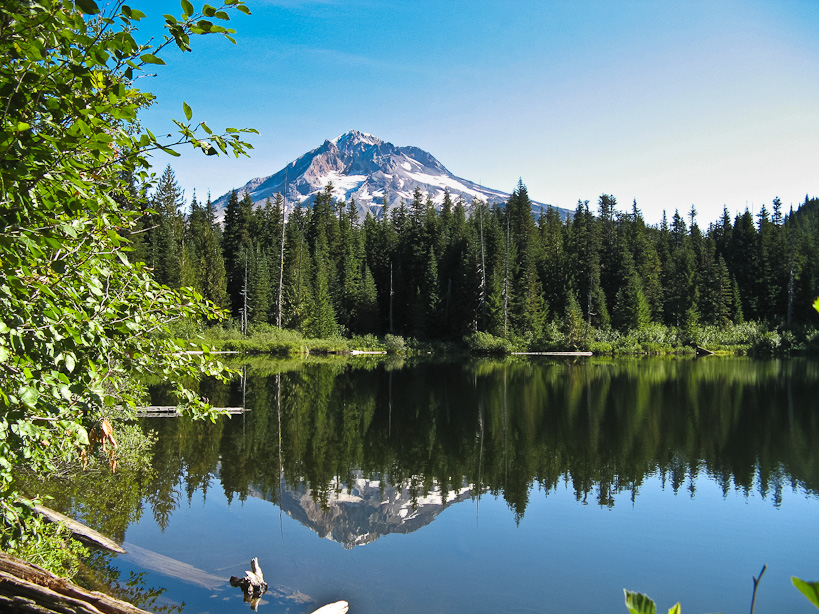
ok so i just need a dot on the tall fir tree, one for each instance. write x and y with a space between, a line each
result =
166 236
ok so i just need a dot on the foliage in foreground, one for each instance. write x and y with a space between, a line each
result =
638 603
77 317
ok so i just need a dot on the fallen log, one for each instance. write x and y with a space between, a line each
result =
552 354
26 588
85 534
171 411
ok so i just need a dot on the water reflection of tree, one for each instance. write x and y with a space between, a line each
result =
603 427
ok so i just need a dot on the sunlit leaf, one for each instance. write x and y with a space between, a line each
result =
187 109
808 589
89 7
187 8
638 603
816 304
150 58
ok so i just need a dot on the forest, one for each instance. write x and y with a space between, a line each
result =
502 268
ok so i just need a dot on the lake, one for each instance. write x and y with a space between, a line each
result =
513 485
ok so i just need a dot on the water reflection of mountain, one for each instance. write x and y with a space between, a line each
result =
359 512
601 426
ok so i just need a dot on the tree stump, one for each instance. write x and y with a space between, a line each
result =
253 585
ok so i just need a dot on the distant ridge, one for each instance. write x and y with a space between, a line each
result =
363 167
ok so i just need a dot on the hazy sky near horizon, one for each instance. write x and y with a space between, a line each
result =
704 103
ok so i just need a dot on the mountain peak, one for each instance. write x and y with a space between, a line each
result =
363 167
355 137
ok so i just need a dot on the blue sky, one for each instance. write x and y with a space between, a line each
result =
710 103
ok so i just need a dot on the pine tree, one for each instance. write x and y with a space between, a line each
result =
166 237
428 301
259 285
631 309
679 275
574 329
584 250
743 262
554 267
646 261
297 295
367 316
323 324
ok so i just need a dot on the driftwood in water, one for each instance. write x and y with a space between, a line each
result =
253 584
339 607
704 352
552 354
171 411
26 588
85 534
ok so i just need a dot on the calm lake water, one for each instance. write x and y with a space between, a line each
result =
518 485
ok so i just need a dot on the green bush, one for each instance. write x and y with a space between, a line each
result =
368 342
485 343
395 344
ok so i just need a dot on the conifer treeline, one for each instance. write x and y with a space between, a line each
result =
442 274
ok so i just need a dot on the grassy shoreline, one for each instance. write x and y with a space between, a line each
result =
747 339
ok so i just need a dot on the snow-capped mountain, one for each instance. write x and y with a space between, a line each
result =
359 513
363 167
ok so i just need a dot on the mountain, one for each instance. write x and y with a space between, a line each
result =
360 512
363 167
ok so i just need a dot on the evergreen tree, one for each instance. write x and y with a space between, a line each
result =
584 249
743 261
679 275
259 285
553 267
367 316
631 309
643 248
611 269
297 295
323 324
166 236
574 329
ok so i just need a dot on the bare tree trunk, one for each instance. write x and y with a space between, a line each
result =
281 255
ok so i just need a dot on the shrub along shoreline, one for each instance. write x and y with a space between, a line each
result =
746 339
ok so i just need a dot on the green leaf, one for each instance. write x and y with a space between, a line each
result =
808 589
208 10
638 603
816 304
169 151
187 8
89 7
675 609
150 58
28 396
187 109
